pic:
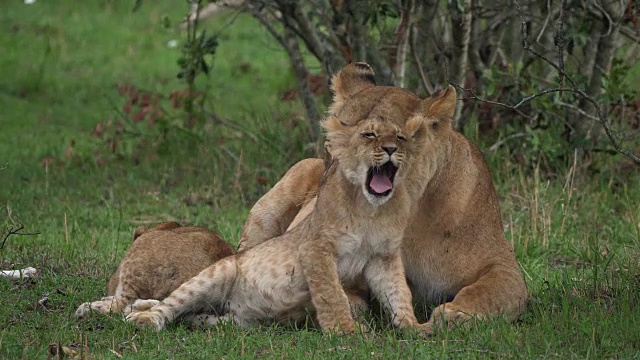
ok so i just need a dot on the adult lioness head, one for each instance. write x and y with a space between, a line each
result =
385 135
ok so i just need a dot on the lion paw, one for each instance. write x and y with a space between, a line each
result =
140 305
150 319
83 309
103 306
348 328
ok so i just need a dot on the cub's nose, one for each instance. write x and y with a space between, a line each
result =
390 149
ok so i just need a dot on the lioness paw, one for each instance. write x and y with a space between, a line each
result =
150 319
449 315
425 329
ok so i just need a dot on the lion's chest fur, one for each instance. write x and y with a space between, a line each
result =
360 230
357 247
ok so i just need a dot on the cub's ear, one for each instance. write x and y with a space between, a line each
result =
167 225
440 107
138 231
351 79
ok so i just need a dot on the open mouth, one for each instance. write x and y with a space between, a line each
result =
380 179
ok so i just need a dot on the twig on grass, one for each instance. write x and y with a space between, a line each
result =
14 229
11 231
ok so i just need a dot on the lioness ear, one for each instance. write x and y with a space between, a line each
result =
351 79
440 107
415 127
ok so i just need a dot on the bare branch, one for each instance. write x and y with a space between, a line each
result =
546 22
578 110
544 92
499 143
527 47
260 17
630 34
512 107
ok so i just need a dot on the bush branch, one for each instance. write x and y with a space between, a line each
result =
602 119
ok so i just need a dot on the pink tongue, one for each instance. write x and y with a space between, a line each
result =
380 183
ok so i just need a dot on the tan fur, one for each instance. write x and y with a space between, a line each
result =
454 250
294 191
352 233
159 260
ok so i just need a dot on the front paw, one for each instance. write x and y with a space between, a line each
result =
449 315
347 328
147 319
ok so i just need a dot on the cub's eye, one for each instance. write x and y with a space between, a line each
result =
369 134
401 137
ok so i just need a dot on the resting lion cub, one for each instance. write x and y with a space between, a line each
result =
353 233
454 251
159 260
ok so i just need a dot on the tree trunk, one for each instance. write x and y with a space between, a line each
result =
402 33
461 18
607 40
302 81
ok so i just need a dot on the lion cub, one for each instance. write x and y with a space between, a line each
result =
159 260
353 233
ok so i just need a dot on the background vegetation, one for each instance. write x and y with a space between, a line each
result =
99 134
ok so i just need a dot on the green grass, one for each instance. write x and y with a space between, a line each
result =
577 238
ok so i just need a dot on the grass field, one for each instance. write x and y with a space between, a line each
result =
576 233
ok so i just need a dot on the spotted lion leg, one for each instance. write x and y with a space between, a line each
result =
210 288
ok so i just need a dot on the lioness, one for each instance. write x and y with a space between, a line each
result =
159 260
454 250
354 232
